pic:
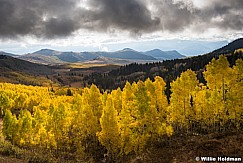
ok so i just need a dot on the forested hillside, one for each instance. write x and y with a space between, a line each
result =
89 125
169 70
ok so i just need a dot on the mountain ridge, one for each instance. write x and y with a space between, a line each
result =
8 54
49 56
230 47
169 70
164 55
63 72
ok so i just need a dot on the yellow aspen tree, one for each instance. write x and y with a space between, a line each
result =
39 124
117 99
127 120
79 131
202 113
8 130
161 100
59 122
181 101
5 102
110 129
143 128
95 100
218 75
21 101
205 101
45 139
89 113
236 95
152 114
25 128
89 120
161 105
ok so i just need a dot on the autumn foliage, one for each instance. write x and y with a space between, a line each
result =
124 121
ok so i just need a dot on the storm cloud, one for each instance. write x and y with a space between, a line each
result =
61 18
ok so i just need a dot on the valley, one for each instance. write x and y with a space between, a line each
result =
106 70
56 68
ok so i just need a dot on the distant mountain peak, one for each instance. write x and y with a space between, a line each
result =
44 50
127 49
164 55
47 52
156 50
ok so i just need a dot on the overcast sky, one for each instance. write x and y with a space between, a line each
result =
91 25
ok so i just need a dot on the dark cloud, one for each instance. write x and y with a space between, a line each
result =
230 13
42 18
124 14
174 16
60 18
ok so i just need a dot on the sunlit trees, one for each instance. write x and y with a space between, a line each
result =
127 119
204 109
8 125
220 81
123 121
117 99
4 102
89 119
25 131
235 95
143 115
181 108
110 133
159 106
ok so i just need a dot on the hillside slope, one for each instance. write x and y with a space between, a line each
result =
231 47
8 63
8 54
169 69
14 70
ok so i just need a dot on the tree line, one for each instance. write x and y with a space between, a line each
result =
169 70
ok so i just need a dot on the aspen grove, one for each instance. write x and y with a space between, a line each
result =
126 120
